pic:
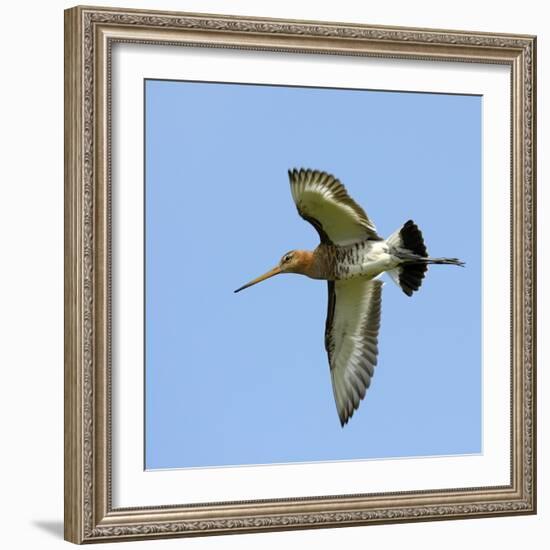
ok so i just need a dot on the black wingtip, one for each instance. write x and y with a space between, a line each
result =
343 420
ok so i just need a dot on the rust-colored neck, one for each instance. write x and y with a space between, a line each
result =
305 263
317 264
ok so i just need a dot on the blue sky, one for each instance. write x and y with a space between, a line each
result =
243 378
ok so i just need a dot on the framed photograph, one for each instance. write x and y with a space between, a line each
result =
300 274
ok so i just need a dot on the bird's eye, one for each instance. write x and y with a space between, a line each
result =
287 258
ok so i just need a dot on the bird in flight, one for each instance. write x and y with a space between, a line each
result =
351 257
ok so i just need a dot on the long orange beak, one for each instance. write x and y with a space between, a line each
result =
270 273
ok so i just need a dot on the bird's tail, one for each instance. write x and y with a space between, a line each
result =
408 245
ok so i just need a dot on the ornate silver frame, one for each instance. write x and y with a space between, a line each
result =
89 35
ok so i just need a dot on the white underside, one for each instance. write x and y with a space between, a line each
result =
375 260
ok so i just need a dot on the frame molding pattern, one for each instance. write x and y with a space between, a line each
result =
301 521
89 516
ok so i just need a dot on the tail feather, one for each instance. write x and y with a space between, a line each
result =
407 243
412 239
410 277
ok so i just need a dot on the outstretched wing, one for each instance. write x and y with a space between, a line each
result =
324 202
351 340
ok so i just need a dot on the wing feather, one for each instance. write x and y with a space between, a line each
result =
324 202
351 340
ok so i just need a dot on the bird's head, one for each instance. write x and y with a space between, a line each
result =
295 261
